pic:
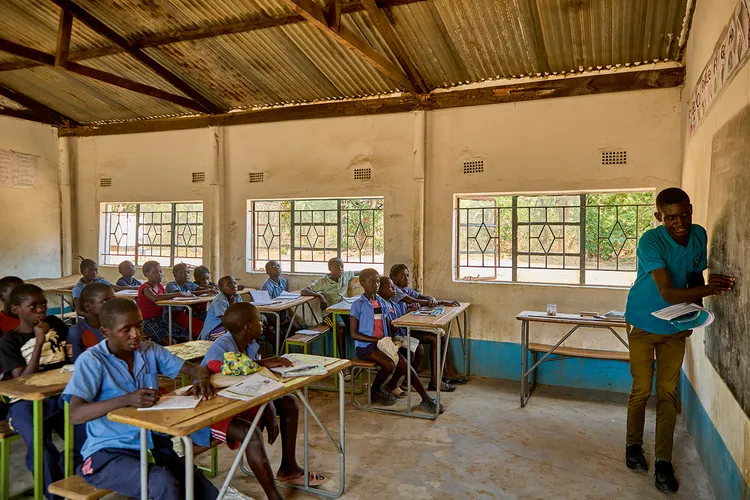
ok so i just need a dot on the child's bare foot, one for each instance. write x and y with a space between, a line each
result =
398 393
315 479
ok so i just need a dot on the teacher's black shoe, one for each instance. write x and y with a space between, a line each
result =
635 459
665 480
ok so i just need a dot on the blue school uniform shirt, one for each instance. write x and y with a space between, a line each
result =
404 292
174 287
218 307
658 250
274 289
365 314
78 288
76 335
100 376
395 311
130 283
225 344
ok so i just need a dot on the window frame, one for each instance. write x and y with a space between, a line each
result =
252 224
582 254
105 233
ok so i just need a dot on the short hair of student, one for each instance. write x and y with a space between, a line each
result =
223 280
396 269
113 309
671 196
335 259
201 271
180 266
148 266
9 281
93 290
23 292
368 273
269 263
238 315
87 263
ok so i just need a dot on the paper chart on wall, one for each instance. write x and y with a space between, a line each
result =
6 168
24 170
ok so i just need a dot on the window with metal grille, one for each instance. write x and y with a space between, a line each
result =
304 234
586 239
169 233
614 157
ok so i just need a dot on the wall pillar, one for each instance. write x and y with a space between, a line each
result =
419 162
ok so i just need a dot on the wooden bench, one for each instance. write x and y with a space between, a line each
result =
303 340
580 353
75 488
359 366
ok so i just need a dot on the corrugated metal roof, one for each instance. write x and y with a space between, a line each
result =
85 100
450 42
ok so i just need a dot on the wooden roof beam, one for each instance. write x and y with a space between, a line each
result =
63 38
384 27
104 30
45 59
24 114
215 30
42 112
348 39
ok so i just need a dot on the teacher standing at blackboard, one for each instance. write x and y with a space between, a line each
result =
671 260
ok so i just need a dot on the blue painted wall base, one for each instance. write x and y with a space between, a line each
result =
503 360
723 474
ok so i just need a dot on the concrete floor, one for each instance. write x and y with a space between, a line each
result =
566 444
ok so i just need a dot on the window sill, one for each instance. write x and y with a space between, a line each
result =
552 285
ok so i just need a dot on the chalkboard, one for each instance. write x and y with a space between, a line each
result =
728 338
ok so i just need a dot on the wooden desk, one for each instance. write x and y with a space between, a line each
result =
63 293
576 321
188 302
439 325
182 423
36 388
281 305
194 350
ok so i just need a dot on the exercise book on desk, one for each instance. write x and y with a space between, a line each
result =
300 368
289 295
251 387
174 403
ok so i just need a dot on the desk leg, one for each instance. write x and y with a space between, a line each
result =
68 446
189 468
62 307
336 353
466 343
408 374
278 331
439 334
190 322
302 396
144 463
524 359
38 416
169 308
240 453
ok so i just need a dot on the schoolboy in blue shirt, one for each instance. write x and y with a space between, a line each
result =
368 324
671 259
127 275
399 273
227 296
244 325
275 285
122 371
90 274
86 333
387 290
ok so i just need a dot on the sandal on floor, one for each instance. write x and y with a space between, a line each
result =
315 479
448 388
398 393
431 405
384 398
459 380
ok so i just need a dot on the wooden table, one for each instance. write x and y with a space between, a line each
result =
280 305
439 325
63 292
181 423
576 321
36 388
188 302
194 350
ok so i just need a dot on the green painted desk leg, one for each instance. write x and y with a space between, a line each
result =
5 464
38 450
335 346
68 446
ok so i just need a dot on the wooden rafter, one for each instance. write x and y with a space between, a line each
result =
334 15
211 31
24 114
42 112
384 27
542 89
104 30
348 39
63 38
49 60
